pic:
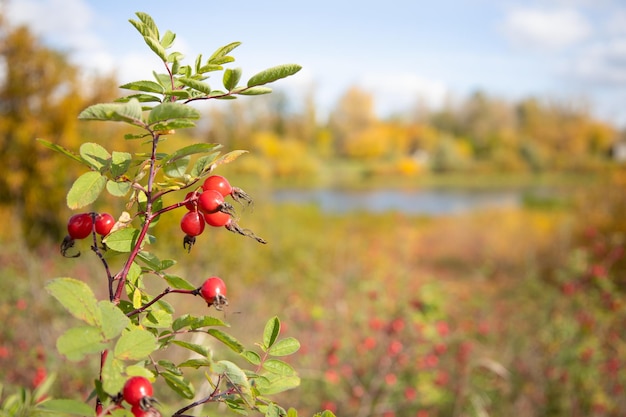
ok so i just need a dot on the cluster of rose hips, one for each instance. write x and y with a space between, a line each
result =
207 206
81 225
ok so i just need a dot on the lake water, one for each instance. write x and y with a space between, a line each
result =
425 201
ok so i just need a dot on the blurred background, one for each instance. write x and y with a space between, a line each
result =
443 189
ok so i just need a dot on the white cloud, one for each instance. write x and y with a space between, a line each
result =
400 91
604 63
546 29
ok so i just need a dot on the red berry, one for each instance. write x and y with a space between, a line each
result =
79 226
104 224
217 219
217 183
192 223
210 201
213 290
191 205
136 389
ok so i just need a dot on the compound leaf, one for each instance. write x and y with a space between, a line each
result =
284 347
145 86
226 339
169 111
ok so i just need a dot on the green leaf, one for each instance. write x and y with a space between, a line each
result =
137 370
113 378
271 332
252 357
120 162
95 155
114 321
168 39
77 298
203 165
292 412
195 84
284 347
61 149
135 345
123 240
85 189
177 168
278 367
199 349
147 27
179 94
130 112
178 283
156 47
157 319
227 339
66 406
275 384
255 91
196 363
169 111
145 86
118 188
78 342
206 321
196 148
179 384
231 78
237 377
273 410
142 98
173 125
229 157
272 74
219 55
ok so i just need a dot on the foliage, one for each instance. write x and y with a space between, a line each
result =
128 335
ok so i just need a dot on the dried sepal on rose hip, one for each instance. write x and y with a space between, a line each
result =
213 290
220 219
221 184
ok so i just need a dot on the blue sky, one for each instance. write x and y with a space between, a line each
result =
401 51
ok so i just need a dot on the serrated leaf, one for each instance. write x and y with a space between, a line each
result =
273 74
195 84
252 357
156 47
221 52
123 240
120 162
199 349
77 298
231 78
235 376
95 155
203 165
118 188
157 319
177 168
137 370
278 367
178 283
275 384
169 111
112 375
130 112
78 342
62 150
209 68
168 39
135 344
142 98
226 339
196 148
66 406
145 86
255 91
196 363
85 189
172 125
206 321
114 321
271 332
179 384
284 347
182 322
180 94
